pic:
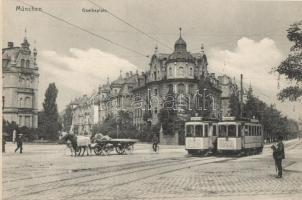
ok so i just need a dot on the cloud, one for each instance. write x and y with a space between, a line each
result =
255 60
78 73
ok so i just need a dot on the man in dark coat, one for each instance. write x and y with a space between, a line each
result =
19 141
279 155
155 141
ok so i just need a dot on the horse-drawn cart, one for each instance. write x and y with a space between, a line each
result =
121 146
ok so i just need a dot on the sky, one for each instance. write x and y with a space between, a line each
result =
240 37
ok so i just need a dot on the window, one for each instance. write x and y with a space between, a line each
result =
191 71
27 63
246 130
27 121
214 130
206 130
199 130
191 89
20 121
170 86
27 102
232 130
155 92
222 131
180 71
189 130
22 62
170 71
180 88
155 110
21 102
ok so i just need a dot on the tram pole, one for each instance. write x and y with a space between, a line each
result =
241 94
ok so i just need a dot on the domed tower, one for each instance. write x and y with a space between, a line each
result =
180 63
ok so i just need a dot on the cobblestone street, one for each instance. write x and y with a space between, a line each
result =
48 172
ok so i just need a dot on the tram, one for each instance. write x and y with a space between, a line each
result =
201 136
243 136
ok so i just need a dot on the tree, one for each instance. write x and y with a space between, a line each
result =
235 104
250 107
291 67
49 125
67 118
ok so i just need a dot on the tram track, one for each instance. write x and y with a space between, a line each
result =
85 169
121 172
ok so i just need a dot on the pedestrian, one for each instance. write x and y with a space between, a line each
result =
155 142
278 155
19 141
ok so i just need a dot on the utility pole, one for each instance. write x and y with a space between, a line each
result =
241 94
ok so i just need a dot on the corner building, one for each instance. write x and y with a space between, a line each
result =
20 84
180 72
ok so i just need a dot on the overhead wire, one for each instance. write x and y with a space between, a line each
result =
132 26
87 31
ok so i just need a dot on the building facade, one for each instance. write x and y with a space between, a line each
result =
20 75
144 95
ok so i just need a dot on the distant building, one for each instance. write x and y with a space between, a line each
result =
85 113
228 87
20 75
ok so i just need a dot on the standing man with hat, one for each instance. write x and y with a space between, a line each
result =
19 141
279 155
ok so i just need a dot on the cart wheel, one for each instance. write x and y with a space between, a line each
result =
97 151
105 152
120 149
130 149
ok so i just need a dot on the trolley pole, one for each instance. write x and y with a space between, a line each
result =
241 94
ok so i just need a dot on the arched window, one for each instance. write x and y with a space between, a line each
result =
22 62
180 88
191 89
27 83
191 71
21 102
170 71
27 63
27 102
170 87
180 71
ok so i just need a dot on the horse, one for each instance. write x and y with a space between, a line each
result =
77 143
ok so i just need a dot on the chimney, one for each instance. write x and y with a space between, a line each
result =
10 44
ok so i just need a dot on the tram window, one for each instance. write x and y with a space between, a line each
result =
232 130
254 130
206 129
239 131
199 131
189 130
246 130
260 130
214 130
222 131
250 131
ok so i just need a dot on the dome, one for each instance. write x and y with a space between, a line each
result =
180 52
180 44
